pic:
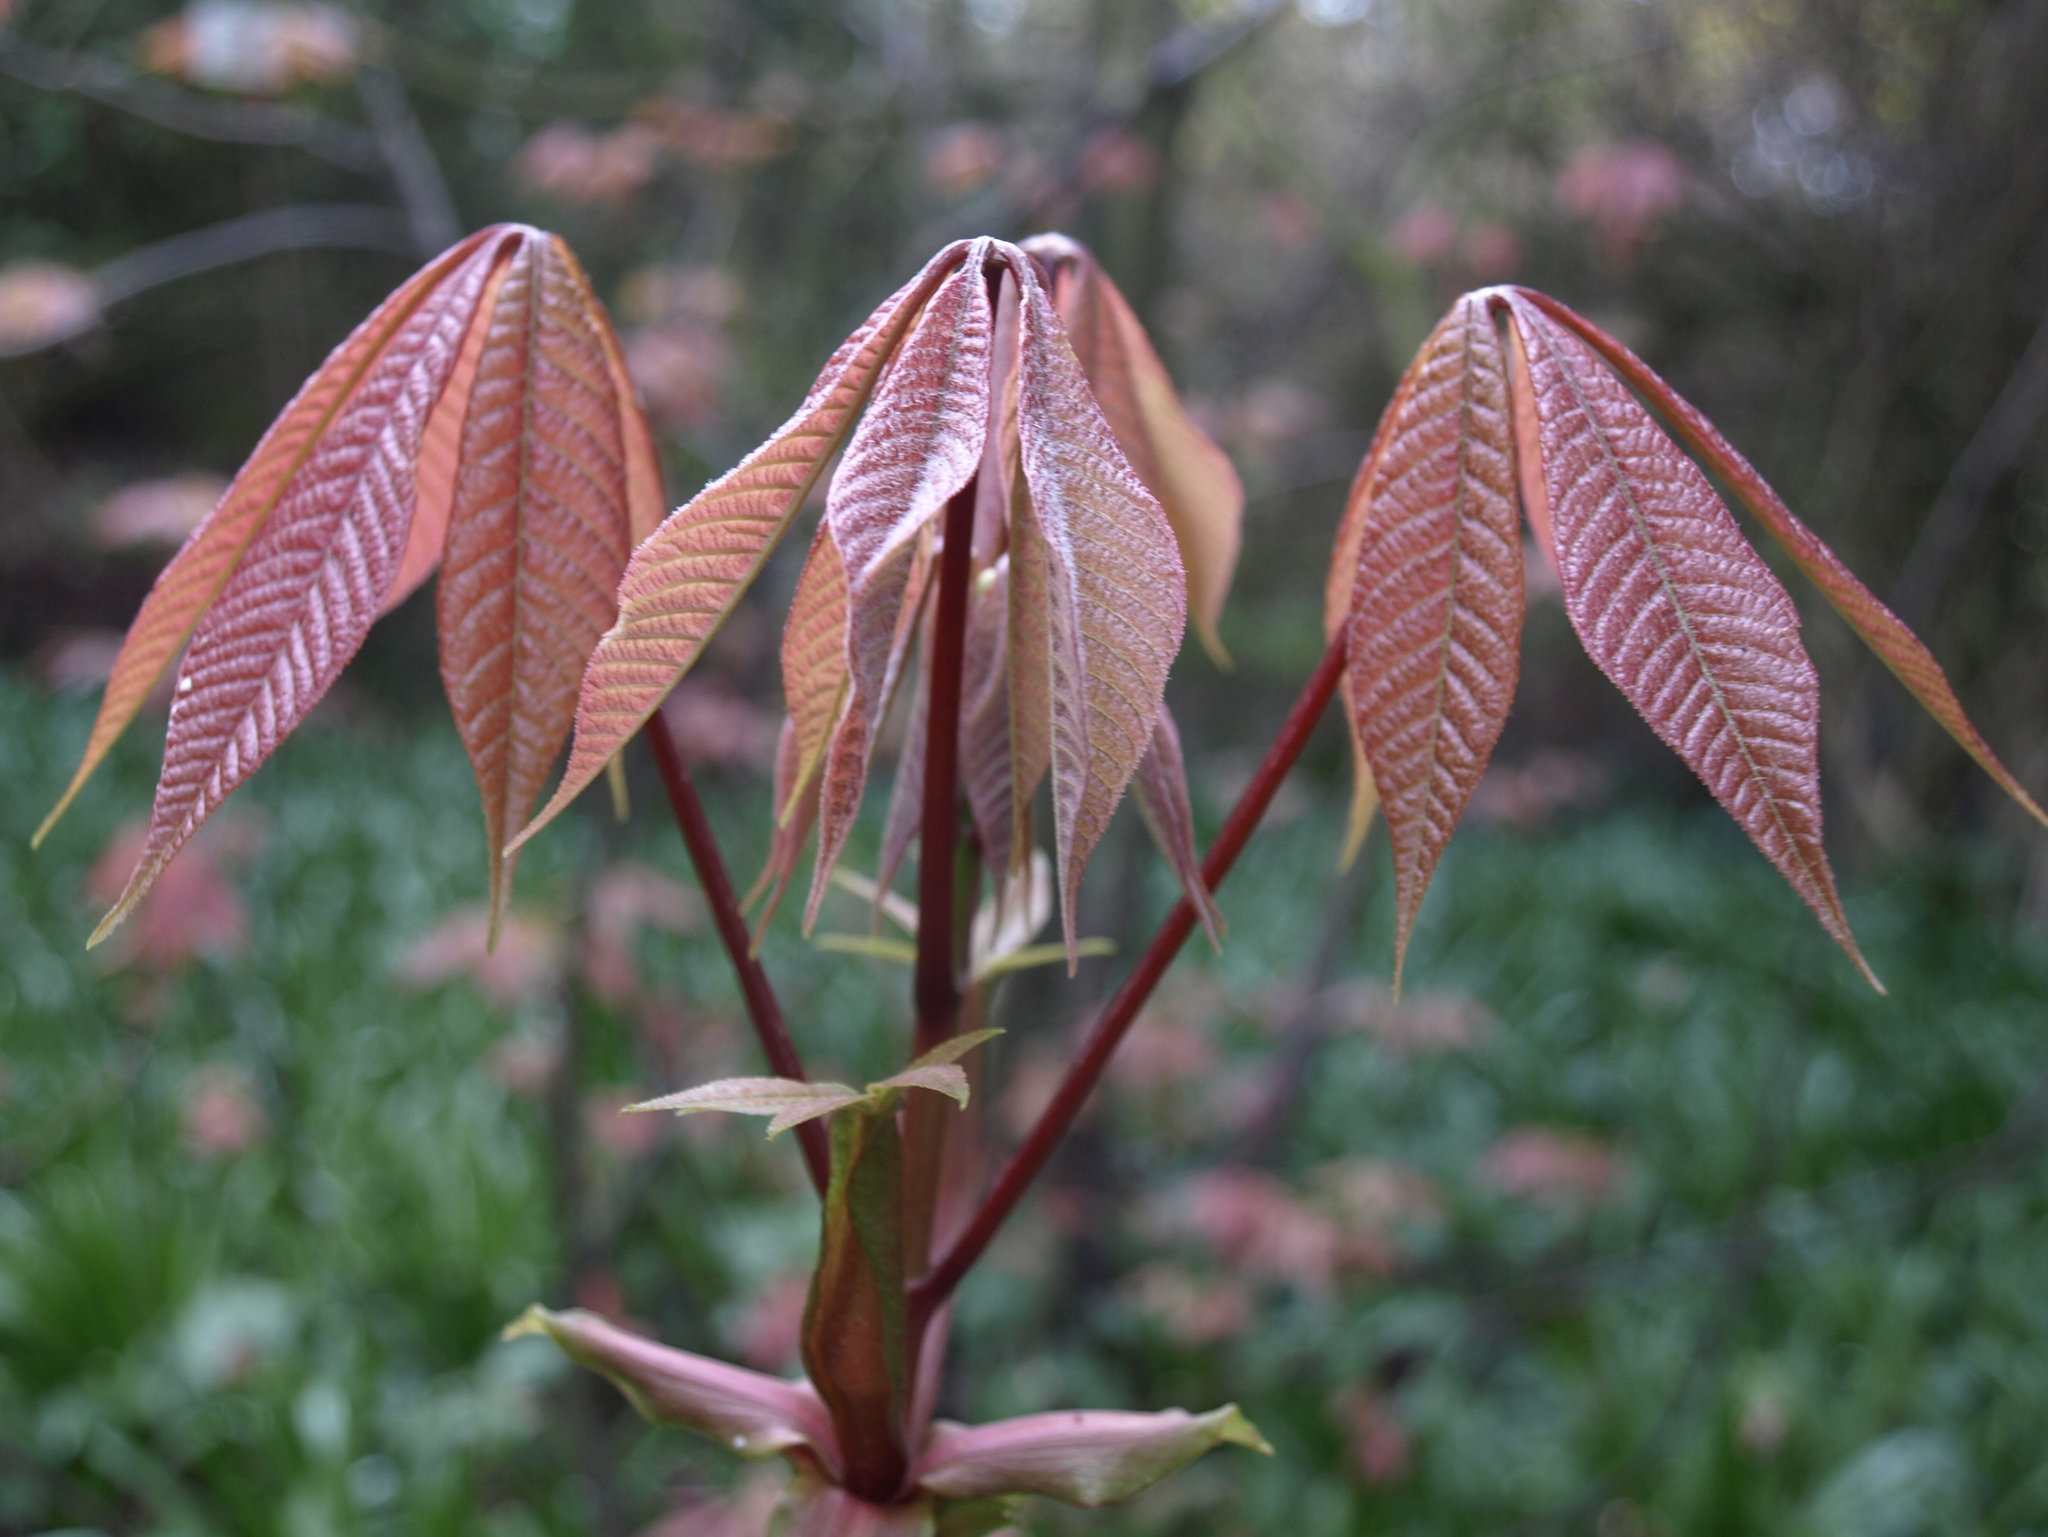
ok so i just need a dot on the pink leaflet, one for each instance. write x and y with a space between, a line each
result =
1085 1457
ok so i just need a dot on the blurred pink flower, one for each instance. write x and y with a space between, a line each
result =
156 511
523 1064
713 724
610 1126
961 158
624 898
672 291
1380 1448
1624 189
771 1329
527 961
1493 253
1117 160
1194 1309
1276 411
259 47
1546 1166
678 367
570 161
710 137
1426 234
1417 1025
42 304
1162 1052
193 910
218 1111
1255 1223
1289 220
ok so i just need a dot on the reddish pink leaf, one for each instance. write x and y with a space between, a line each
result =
1162 791
311 578
796 816
814 660
1094 561
1677 610
1436 621
538 535
748 1412
919 444
188 585
1882 630
1195 482
1085 1457
685 578
906 796
986 769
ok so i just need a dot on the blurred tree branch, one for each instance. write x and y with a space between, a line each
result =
187 112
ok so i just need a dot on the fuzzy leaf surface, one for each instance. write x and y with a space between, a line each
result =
1095 563
1434 638
1086 1457
538 535
1162 793
1882 630
986 769
684 579
1678 611
1194 480
919 444
313 576
186 587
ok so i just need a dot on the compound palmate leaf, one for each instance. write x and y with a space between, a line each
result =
480 414
1677 610
1434 634
192 579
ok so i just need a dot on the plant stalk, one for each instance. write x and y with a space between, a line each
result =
1037 1148
762 1007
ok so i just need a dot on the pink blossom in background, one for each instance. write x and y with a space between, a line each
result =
527 962
1545 1166
1194 1309
679 367
1117 160
1420 1024
1493 253
612 1127
523 1064
1253 1222
1425 235
218 1112
625 898
710 137
193 910
771 1330
1530 793
42 304
156 511
1623 189
258 47
962 158
1380 1446
570 161
713 724
1289 220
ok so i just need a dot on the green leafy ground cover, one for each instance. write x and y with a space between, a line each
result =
1643 1217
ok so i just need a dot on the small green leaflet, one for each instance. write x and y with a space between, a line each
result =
790 1101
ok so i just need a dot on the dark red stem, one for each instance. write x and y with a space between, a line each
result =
762 1007
1057 1117
936 991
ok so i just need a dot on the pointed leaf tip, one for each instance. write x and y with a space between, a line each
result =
1883 631
747 1412
1677 610
1433 642
1084 1457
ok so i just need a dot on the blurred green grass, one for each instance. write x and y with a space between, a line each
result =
1797 1288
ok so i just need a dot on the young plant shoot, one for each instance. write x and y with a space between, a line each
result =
1021 521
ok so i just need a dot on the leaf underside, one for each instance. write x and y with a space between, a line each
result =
1096 579
194 576
1434 638
1678 611
687 576
1161 787
1882 630
538 536
316 569
1196 484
